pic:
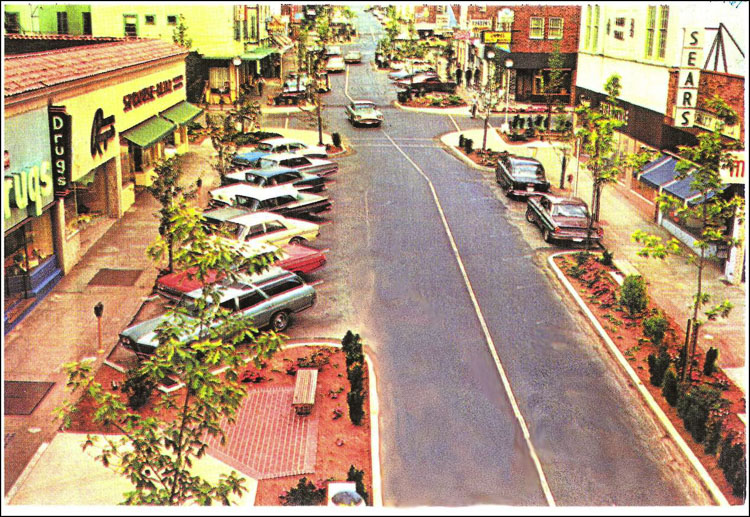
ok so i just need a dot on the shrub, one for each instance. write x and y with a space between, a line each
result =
304 494
469 143
606 258
356 399
633 295
436 101
695 406
732 462
455 100
654 329
352 347
582 257
336 138
657 367
461 141
670 389
358 477
138 386
713 433
710 363
355 376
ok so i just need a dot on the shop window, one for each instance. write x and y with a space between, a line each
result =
663 26
62 23
86 23
650 28
171 19
537 28
12 25
131 26
237 28
620 29
253 28
150 19
555 30
218 79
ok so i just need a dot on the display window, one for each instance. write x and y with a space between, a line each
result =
26 248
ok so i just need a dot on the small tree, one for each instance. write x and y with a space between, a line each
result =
633 295
304 494
166 190
654 328
702 163
670 388
179 34
221 131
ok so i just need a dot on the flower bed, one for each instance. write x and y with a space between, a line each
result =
435 100
722 432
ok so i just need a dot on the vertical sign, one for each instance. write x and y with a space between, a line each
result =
688 76
60 142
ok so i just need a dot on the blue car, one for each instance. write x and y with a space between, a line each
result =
274 176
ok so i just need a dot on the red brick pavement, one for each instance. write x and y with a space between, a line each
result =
269 439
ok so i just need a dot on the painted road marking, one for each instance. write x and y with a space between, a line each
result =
485 330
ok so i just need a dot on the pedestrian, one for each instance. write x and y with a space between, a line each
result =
261 82
474 108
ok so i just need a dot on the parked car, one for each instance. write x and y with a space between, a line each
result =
520 176
405 75
333 50
426 82
335 64
269 298
353 56
261 227
290 145
562 219
290 95
284 200
291 161
275 176
364 112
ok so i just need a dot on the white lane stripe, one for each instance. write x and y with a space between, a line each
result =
454 122
346 84
485 330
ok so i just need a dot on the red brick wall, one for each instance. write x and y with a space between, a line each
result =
571 15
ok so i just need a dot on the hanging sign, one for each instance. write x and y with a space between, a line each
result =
61 147
688 77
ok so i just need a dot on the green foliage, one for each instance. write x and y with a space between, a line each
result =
179 34
358 477
166 190
304 494
633 294
713 434
732 460
657 367
455 100
351 344
606 258
356 400
696 406
670 387
654 328
138 386
709 364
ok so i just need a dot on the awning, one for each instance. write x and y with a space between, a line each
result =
683 191
659 172
283 42
182 113
259 53
149 132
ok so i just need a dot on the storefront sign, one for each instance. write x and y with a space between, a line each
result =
62 151
30 185
688 76
149 93
461 35
102 130
495 37
735 173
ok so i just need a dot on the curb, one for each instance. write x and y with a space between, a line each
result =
377 489
708 482
463 157
26 472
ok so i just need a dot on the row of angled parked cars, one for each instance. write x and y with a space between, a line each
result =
560 218
265 205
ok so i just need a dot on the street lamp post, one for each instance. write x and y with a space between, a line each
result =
508 66
98 312
488 98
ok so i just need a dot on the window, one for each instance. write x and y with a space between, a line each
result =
537 28
282 287
229 305
62 23
244 29
12 26
587 41
255 231
663 25
172 20
247 202
217 76
274 226
150 19
650 27
619 29
595 42
250 299
131 26
632 27
237 29
86 22
555 30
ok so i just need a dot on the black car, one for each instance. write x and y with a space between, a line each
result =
427 82
520 176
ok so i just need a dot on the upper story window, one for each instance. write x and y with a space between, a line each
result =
12 25
86 22
171 19
619 28
650 28
237 29
150 19
537 28
131 25
62 23
663 25
555 30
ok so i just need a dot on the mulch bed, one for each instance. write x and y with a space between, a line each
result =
627 333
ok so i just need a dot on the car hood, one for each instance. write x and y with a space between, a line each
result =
248 158
367 112
572 222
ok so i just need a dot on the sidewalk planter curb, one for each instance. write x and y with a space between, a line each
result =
435 111
463 157
708 482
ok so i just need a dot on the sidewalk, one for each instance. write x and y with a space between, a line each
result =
672 282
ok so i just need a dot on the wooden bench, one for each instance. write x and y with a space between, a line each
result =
306 381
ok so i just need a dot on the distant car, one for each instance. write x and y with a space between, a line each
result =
290 145
353 56
275 176
261 227
269 298
520 176
333 50
335 64
425 82
284 200
405 75
364 112
562 219
294 80
291 161
303 81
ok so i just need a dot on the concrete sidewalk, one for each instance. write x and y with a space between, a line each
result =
672 282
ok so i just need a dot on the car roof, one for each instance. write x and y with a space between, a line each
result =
231 289
225 213
251 218
284 156
565 200
260 193
524 159
266 173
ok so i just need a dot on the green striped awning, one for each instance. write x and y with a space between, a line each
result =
149 132
182 113
259 53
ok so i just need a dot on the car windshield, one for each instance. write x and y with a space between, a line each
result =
265 147
566 210
528 170
254 179
264 162
226 227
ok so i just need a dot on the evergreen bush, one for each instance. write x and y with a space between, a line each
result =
710 363
633 294
713 434
469 143
138 386
461 141
355 399
606 258
657 367
732 461
654 328
336 139
358 477
695 406
304 494
670 388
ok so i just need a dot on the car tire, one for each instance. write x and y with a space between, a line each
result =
280 321
546 235
530 216
296 240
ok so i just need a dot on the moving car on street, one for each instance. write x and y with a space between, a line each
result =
404 75
335 64
353 56
275 176
261 227
284 200
520 176
364 113
290 95
425 83
291 161
269 298
562 219
290 145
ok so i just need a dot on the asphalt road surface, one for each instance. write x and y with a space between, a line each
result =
427 263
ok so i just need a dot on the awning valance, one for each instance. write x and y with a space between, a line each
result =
683 191
181 113
149 132
259 53
284 42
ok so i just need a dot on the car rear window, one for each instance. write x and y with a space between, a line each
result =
569 211
528 170
250 299
246 201
254 178
281 287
